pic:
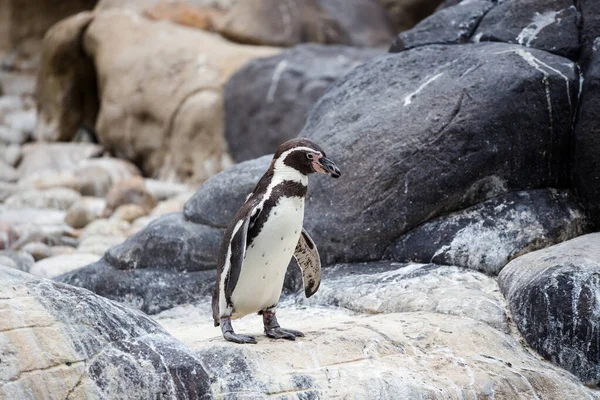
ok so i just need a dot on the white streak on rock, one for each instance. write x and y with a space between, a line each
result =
540 21
281 66
409 97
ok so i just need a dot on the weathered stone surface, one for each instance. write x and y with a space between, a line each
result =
58 198
52 267
384 287
180 109
490 234
553 296
220 197
454 24
408 355
407 13
66 84
586 163
275 23
60 342
267 101
546 25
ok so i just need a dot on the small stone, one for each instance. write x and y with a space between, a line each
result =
38 250
8 235
20 260
99 244
105 227
54 266
84 211
130 191
22 124
129 212
162 190
58 198
61 250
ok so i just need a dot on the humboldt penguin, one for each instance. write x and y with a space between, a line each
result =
262 238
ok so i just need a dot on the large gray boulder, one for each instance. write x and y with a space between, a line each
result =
267 101
554 298
420 134
488 235
62 342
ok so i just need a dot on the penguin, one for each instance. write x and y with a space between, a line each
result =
262 238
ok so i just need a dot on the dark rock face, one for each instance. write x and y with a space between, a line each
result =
170 244
93 346
490 234
454 24
554 297
546 25
586 160
590 28
267 101
417 134
151 290
221 196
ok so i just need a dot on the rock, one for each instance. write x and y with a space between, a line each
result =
61 250
96 176
23 218
22 123
407 13
384 287
545 25
42 159
219 198
553 295
130 191
162 190
129 212
175 204
183 13
9 135
8 235
99 244
8 173
141 5
59 198
405 174
490 234
7 189
267 101
148 289
59 342
38 251
586 165
66 86
450 25
83 212
105 227
590 29
52 235
11 154
408 355
180 109
20 260
58 265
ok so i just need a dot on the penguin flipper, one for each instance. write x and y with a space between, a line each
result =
237 252
307 257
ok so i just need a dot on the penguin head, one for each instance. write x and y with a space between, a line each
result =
306 157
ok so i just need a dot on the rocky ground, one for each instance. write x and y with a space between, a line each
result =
460 247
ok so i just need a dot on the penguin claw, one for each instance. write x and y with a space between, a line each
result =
280 333
241 339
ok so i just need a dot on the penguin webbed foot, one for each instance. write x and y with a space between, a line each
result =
231 336
274 331
280 333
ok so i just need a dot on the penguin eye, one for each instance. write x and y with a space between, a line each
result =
310 156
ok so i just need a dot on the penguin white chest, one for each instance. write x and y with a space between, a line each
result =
267 258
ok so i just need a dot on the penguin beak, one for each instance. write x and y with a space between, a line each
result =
326 166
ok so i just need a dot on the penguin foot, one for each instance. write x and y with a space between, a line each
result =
280 333
231 336
241 339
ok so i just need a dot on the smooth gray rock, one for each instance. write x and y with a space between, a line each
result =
267 101
547 25
384 287
554 298
59 342
488 235
455 24
20 260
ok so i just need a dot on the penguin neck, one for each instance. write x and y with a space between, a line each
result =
282 173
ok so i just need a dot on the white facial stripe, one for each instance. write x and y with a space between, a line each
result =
222 300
